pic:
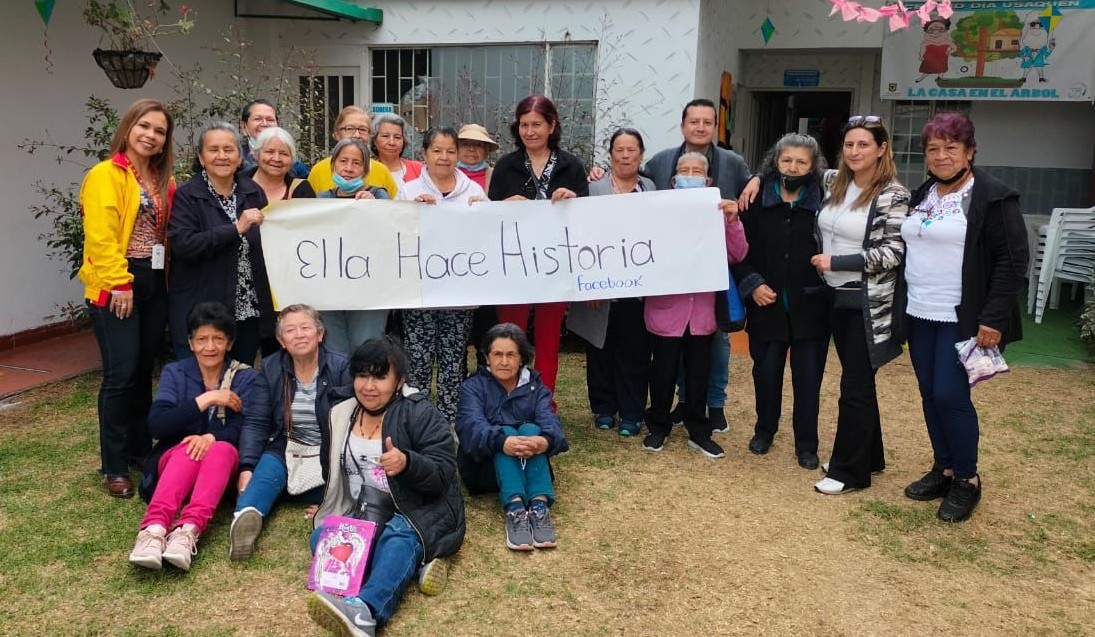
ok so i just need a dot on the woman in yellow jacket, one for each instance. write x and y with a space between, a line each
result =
353 123
126 202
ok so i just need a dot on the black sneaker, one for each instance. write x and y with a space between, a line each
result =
707 447
808 460
931 486
760 445
346 616
960 502
654 442
717 418
518 530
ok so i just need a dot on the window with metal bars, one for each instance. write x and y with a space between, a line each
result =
456 85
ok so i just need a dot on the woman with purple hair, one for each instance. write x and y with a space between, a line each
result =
966 258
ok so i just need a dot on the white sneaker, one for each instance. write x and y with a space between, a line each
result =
828 486
182 546
242 534
148 550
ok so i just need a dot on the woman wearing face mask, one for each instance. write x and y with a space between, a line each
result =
682 327
967 260
474 146
353 123
389 142
216 247
346 329
784 294
862 251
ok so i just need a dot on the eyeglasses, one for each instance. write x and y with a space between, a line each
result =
1036 23
258 119
360 130
860 120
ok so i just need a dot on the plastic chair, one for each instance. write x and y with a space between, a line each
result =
1069 255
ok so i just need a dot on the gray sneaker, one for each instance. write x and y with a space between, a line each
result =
433 576
242 534
182 546
518 530
345 616
543 529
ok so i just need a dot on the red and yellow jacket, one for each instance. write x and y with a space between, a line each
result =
110 198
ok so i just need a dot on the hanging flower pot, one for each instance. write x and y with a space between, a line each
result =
127 69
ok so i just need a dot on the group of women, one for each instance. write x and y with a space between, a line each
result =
851 254
332 416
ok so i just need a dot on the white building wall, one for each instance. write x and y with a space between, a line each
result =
41 105
647 59
716 52
646 54
1035 134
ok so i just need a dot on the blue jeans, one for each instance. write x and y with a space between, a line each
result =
720 372
393 566
267 484
523 479
945 392
347 329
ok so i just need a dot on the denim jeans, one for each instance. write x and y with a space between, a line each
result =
523 479
267 484
720 373
347 329
945 393
394 564
128 349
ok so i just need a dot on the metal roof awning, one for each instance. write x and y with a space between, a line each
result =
342 9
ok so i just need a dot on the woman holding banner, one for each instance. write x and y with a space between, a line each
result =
539 169
617 344
216 248
440 335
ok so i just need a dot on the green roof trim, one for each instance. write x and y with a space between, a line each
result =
342 9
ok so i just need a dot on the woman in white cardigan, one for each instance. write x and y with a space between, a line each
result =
439 336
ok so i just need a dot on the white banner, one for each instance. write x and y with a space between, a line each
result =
371 254
995 50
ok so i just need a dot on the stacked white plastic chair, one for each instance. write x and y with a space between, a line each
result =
1069 256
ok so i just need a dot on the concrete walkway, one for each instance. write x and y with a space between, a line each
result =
48 361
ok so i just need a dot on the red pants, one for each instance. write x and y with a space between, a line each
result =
548 329
204 481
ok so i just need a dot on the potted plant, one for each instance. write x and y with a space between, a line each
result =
132 27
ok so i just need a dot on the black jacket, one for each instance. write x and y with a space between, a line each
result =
204 257
781 242
427 492
510 177
994 258
264 430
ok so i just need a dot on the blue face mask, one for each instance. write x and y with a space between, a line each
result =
682 181
349 186
472 167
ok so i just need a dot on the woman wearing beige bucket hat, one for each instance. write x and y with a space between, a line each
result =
474 146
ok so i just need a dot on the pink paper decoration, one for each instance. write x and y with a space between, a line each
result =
898 17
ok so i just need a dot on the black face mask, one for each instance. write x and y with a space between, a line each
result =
376 412
956 178
791 184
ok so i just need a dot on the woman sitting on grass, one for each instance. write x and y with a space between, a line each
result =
393 464
507 431
196 417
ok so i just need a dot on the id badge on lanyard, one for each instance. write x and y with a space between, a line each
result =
159 256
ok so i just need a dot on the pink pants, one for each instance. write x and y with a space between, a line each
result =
204 481
548 324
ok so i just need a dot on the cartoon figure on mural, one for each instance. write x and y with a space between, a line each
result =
936 48
1035 45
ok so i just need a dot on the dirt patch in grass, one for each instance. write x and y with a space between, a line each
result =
651 544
